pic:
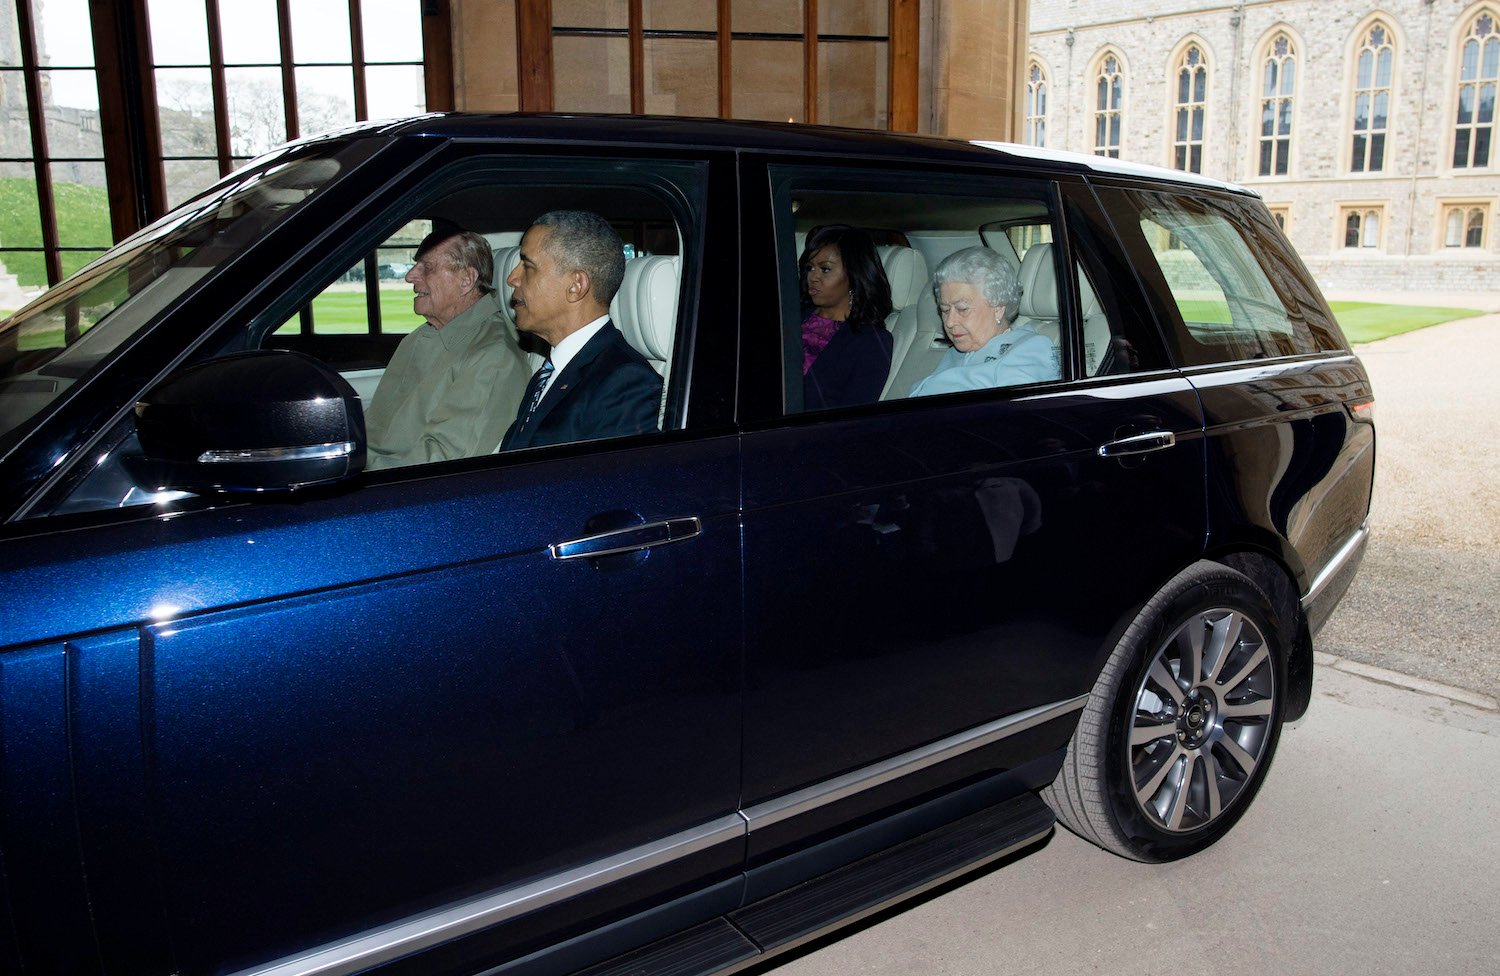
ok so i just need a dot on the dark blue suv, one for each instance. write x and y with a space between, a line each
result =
669 701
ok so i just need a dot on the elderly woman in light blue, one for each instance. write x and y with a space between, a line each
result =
978 297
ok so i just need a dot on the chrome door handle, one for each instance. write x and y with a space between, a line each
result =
1156 440
632 539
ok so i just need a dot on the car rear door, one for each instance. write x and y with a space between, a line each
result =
931 583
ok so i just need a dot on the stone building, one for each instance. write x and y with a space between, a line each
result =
1369 130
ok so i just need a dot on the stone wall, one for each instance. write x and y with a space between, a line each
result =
1418 180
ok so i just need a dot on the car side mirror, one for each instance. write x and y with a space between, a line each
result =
266 420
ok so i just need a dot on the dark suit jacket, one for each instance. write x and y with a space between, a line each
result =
851 369
607 390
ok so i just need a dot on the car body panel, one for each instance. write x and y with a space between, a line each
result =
379 726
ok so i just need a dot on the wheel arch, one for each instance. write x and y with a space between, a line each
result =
1279 584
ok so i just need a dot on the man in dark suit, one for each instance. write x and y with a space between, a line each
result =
593 383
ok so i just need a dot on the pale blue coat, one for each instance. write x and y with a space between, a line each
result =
1017 355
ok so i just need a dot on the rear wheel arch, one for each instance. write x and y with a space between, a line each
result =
1280 587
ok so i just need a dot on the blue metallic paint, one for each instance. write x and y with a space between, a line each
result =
232 732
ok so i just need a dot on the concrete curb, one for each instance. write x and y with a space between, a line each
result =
1398 680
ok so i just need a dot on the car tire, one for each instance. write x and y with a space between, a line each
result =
1160 766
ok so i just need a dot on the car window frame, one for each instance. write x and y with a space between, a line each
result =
1124 202
359 229
785 175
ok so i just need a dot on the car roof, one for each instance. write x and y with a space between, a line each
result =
734 134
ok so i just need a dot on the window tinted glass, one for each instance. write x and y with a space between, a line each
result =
66 334
367 306
1229 286
867 313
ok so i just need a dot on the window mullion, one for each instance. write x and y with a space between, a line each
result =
637 60
726 60
810 61
40 154
220 87
357 56
288 69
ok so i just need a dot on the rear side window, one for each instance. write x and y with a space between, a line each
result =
1228 286
863 310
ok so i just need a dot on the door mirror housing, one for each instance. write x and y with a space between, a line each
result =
266 420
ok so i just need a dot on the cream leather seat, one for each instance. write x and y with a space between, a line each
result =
1040 308
1039 305
645 310
906 270
915 346
506 259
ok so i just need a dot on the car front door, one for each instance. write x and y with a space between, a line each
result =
461 710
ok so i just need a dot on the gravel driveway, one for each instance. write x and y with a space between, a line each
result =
1425 601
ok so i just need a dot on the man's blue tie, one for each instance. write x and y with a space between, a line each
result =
538 387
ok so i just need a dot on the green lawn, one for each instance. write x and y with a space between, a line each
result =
1366 321
1361 321
344 311
82 221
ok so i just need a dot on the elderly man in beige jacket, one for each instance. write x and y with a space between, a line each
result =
454 383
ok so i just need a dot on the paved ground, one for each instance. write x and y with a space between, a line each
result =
1425 601
1371 850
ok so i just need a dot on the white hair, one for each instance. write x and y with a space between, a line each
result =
987 271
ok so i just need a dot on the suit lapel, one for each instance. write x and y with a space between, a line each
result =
565 381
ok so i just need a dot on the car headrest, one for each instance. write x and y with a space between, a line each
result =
645 308
1038 283
1086 297
506 259
906 270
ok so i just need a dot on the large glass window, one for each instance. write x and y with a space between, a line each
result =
1226 277
1278 87
1374 68
1036 105
216 83
1109 95
1478 75
778 60
54 204
73 329
1191 109
464 406
233 79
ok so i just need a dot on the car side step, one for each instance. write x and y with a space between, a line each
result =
841 897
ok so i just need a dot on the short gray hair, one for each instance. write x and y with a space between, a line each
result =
987 271
584 241
466 250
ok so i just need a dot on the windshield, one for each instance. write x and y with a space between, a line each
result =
70 330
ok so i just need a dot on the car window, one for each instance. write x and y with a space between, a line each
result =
66 334
360 314
1230 288
861 258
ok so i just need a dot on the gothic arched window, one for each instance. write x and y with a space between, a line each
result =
1192 99
1110 90
1478 74
1278 88
1374 65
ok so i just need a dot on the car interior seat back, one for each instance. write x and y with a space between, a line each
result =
1039 309
506 259
918 344
645 309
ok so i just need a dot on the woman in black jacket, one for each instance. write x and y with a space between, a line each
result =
846 350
